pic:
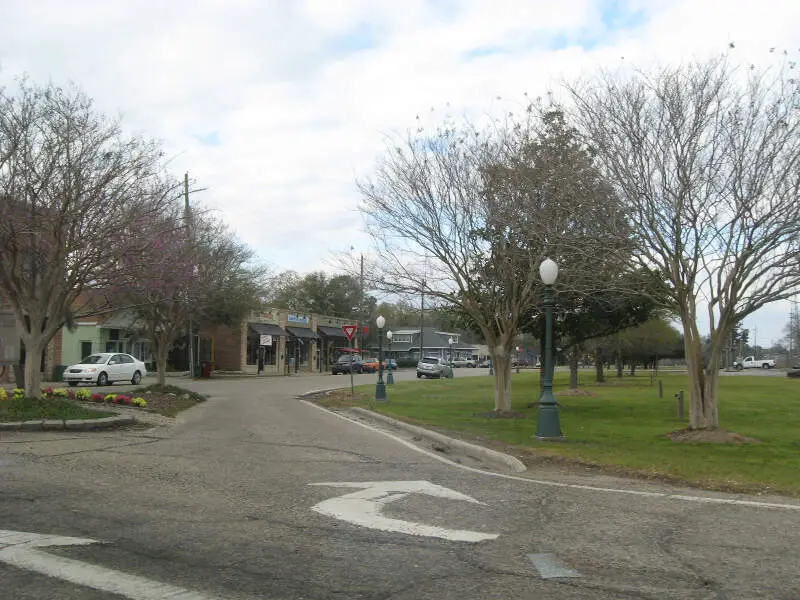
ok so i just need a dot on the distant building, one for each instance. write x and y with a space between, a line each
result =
406 344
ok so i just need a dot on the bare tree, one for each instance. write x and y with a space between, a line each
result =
466 216
707 159
71 188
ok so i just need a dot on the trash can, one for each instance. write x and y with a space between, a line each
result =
291 366
58 372
206 368
197 370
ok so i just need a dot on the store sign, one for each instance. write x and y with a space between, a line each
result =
302 319
266 340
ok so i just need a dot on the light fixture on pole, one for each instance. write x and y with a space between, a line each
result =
389 376
380 387
549 426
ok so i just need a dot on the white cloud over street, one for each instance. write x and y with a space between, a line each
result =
277 106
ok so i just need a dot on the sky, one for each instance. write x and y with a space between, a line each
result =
277 107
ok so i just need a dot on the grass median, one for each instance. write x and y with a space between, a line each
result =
622 425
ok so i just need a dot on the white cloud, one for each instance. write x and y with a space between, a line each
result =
294 112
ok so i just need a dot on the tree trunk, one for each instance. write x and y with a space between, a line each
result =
502 379
573 369
633 368
162 352
600 375
620 364
33 359
703 411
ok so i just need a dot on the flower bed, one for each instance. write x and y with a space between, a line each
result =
163 400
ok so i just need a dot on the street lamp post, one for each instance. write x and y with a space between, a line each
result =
548 427
389 376
380 387
450 343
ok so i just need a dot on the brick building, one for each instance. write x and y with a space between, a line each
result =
284 340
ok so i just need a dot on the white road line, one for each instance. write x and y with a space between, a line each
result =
575 486
551 567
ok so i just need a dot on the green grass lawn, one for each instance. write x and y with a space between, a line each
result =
28 409
623 425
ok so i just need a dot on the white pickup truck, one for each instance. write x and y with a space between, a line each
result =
750 362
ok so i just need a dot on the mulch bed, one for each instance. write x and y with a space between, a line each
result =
169 403
711 436
501 414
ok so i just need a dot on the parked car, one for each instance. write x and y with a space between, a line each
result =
346 362
485 363
433 366
464 362
371 364
105 368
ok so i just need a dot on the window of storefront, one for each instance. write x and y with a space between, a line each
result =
268 352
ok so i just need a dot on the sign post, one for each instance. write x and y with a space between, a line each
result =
350 332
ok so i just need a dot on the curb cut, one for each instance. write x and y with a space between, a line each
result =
472 450
70 424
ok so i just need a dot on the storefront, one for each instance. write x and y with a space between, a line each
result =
285 342
265 346
302 349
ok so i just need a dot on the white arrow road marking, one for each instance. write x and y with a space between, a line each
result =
551 567
364 507
21 550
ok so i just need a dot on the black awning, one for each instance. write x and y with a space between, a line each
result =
303 333
332 332
267 329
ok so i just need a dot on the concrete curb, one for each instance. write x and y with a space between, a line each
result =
480 453
71 424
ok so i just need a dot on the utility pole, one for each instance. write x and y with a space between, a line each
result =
422 319
755 342
362 311
187 218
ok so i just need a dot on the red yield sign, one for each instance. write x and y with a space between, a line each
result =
349 330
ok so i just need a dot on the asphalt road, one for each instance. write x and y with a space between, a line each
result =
226 503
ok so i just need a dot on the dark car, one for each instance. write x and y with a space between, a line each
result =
345 362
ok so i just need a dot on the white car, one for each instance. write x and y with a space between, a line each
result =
105 368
